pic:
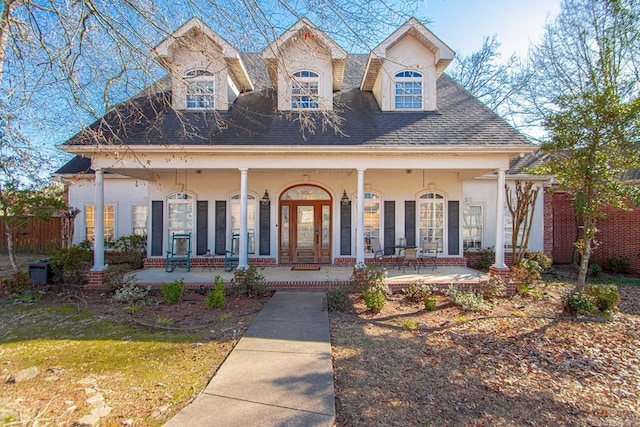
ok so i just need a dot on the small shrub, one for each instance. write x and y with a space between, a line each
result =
337 300
417 291
131 250
467 300
430 301
114 277
216 298
543 261
594 271
528 290
163 320
172 291
70 266
580 303
409 325
618 264
527 272
18 283
486 259
250 282
134 307
374 299
492 288
366 277
605 297
131 293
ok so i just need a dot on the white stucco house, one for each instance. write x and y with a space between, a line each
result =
304 150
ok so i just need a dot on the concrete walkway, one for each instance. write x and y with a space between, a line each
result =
279 373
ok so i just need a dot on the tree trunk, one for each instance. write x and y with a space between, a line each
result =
12 256
584 263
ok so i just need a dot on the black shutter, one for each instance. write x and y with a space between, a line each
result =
221 226
410 222
345 229
454 227
265 229
389 227
157 227
202 221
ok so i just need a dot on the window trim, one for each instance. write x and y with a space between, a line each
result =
305 78
408 76
190 199
197 82
253 242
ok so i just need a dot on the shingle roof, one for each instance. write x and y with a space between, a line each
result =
253 120
76 165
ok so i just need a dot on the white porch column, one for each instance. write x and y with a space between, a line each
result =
243 261
499 263
98 235
360 219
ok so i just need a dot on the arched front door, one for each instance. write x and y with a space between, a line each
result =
305 225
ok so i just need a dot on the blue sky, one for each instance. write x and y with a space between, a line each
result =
463 24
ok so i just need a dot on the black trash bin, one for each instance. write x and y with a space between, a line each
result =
40 272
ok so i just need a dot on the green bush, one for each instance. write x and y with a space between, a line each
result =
466 300
580 303
172 292
337 300
249 282
594 271
70 266
417 291
605 296
216 298
131 293
131 250
543 261
430 301
486 259
618 264
18 283
374 299
526 273
114 277
366 277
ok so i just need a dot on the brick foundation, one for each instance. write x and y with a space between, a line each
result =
95 279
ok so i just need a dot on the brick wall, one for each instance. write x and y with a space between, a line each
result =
618 234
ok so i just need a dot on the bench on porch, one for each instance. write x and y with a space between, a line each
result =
180 253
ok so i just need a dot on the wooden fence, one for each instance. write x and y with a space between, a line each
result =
37 236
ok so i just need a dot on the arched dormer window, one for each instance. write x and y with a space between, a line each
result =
304 90
200 90
408 95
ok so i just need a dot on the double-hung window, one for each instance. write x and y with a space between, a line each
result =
408 94
371 218
473 227
140 213
252 208
200 90
304 91
109 222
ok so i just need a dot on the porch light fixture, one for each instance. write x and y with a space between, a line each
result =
345 199
265 199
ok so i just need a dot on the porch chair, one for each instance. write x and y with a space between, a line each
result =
378 252
180 253
232 258
429 251
411 257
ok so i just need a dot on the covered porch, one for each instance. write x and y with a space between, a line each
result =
321 277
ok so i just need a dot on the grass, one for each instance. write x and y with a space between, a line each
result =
137 369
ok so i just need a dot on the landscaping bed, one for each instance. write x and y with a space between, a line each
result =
522 362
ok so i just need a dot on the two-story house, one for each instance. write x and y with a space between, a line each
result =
306 151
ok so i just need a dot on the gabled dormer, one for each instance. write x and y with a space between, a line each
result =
206 71
403 69
305 67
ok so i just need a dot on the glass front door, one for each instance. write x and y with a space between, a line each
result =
305 227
